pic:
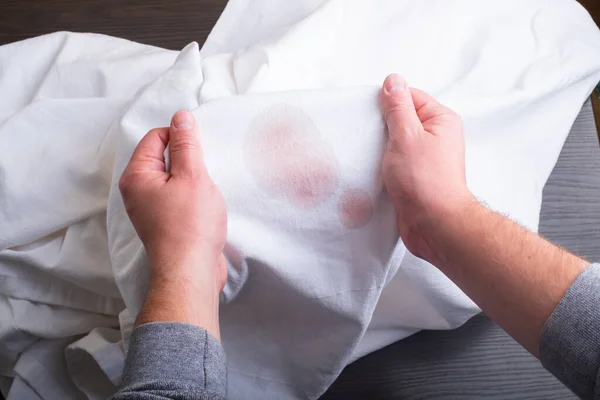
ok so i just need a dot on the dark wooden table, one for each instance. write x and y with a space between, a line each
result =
593 6
477 360
165 23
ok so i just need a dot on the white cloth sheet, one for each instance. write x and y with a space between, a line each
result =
286 98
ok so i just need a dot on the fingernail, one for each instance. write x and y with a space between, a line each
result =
183 120
395 83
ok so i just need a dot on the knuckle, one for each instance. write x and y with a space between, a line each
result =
403 133
153 130
451 115
401 104
124 184
183 144
129 184
398 107
459 121
214 190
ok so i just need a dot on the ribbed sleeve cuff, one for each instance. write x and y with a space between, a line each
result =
175 352
570 341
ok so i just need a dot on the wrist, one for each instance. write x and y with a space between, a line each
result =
179 299
447 223
175 263
184 287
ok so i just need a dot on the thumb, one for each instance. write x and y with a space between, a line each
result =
399 110
185 149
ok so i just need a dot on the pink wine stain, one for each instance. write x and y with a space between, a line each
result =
288 157
355 208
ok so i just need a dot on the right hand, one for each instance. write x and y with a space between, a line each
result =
424 164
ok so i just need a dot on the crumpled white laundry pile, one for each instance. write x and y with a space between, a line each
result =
286 96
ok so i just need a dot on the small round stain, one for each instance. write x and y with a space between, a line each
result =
355 208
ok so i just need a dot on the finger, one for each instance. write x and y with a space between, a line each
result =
149 153
185 150
432 113
422 99
427 107
399 110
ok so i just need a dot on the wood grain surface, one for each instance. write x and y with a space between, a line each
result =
165 23
570 213
477 360
593 6
596 106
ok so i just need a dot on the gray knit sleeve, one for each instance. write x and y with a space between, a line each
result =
169 360
570 341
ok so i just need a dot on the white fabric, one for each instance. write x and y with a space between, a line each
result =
307 272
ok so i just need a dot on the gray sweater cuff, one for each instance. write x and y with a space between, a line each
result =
177 356
570 341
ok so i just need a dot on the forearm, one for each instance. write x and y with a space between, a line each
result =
180 302
515 276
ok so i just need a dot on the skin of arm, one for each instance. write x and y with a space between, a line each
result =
515 276
181 219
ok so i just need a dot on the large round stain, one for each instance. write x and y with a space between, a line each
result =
288 158
355 208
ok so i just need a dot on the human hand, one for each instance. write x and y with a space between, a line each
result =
424 163
180 217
